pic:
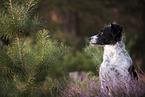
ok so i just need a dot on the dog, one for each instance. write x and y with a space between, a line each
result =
117 66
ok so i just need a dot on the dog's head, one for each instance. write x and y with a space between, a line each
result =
108 35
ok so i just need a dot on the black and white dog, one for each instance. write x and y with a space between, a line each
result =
117 65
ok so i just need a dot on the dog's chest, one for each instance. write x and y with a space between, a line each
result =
116 56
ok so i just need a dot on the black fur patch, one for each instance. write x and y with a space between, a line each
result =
109 35
133 73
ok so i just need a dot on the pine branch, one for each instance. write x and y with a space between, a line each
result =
20 70
55 51
11 9
43 42
6 70
58 57
33 61
29 60
6 27
29 5
17 19
28 82
20 53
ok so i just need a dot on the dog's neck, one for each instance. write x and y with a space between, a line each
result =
113 50
116 46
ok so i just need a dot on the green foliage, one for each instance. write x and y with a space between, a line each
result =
87 60
78 62
31 62
96 53
5 59
16 19
25 64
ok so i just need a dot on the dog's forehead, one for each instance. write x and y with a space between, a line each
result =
106 29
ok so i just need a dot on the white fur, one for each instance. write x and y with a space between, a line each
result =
115 65
93 40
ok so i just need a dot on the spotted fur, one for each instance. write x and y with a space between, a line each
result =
117 66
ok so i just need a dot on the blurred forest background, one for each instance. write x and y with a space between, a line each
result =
72 21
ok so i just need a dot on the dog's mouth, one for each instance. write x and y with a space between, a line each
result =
95 44
92 44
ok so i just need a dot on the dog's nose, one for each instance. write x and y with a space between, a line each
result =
89 38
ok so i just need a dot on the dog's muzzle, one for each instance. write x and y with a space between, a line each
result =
93 40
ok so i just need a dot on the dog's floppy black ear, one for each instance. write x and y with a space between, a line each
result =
116 29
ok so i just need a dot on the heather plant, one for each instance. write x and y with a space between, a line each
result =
90 87
25 63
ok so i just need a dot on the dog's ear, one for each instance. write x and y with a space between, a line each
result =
116 30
